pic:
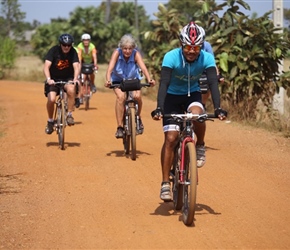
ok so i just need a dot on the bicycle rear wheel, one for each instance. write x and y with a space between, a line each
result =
133 132
127 135
190 186
61 123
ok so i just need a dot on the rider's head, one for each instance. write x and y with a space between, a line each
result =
86 38
192 34
66 41
127 41
191 38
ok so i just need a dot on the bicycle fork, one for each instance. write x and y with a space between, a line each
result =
181 153
130 104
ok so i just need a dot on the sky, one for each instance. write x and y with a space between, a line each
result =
44 10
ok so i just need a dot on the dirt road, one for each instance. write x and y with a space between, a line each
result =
92 196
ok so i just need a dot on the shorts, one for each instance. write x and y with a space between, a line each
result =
53 88
179 104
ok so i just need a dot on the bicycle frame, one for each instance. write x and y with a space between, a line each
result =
60 114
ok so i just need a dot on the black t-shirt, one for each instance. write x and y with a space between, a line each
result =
62 64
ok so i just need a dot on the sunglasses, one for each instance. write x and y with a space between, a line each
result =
195 48
66 45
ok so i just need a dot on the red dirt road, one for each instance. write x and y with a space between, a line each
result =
92 196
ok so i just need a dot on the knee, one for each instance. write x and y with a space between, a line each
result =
71 90
120 99
170 140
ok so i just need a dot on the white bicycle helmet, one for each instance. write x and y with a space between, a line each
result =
192 34
86 37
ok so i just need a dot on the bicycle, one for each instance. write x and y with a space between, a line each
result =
87 69
130 120
184 173
60 113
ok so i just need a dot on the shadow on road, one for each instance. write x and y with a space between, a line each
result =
67 144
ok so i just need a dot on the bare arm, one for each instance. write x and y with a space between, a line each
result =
111 66
46 72
143 67
95 59
76 66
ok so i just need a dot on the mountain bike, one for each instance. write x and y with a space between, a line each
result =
184 173
130 120
60 113
87 69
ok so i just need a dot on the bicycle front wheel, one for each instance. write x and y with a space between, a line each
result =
177 188
87 95
61 123
133 132
190 186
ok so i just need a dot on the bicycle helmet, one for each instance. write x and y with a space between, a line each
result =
86 37
66 39
192 34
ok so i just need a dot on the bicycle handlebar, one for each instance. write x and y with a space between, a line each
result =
63 82
118 85
191 117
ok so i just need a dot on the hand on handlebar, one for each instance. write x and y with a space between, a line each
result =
152 82
157 114
221 114
108 84
50 82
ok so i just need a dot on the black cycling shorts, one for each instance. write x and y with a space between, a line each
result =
178 104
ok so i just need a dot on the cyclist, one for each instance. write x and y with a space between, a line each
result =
179 91
87 53
61 64
124 64
208 48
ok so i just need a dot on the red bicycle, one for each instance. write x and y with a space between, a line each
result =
184 173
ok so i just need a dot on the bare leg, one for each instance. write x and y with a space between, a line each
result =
119 106
167 153
71 92
51 97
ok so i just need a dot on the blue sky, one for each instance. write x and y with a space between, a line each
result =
44 10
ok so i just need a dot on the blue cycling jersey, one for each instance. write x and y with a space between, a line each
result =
185 75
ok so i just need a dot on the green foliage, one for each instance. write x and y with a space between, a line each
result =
7 55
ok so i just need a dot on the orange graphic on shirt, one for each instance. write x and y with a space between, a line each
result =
62 64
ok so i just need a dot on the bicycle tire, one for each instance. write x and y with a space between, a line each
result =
61 124
177 189
190 187
132 119
126 136
87 95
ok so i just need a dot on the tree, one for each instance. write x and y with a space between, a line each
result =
12 19
7 55
91 20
